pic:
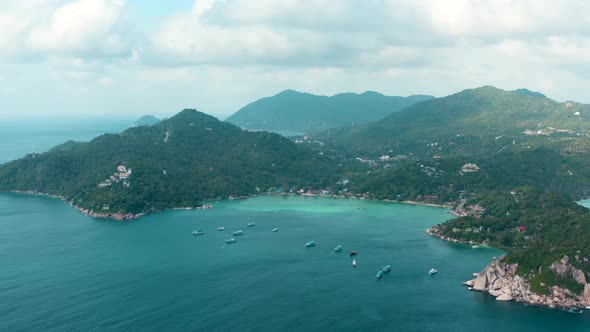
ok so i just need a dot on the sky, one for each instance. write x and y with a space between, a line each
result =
122 58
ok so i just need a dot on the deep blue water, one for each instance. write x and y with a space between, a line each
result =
63 271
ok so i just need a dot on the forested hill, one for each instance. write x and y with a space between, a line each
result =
304 112
175 163
146 120
474 118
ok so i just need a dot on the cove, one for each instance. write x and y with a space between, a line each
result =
65 271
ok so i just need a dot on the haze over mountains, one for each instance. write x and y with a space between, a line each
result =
305 113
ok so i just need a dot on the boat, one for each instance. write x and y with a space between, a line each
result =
221 228
238 233
379 274
387 268
432 271
588 307
310 244
354 263
232 240
199 232
353 253
338 248
275 230
251 224
474 247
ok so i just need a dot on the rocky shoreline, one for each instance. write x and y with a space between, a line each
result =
115 216
501 280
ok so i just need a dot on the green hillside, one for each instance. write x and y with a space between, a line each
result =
304 112
175 163
476 121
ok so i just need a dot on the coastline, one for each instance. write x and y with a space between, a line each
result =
125 216
500 280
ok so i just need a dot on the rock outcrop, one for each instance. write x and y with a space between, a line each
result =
564 269
500 280
586 295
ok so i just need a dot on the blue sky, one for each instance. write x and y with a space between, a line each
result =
122 58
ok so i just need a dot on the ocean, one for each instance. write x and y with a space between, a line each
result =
21 137
63 271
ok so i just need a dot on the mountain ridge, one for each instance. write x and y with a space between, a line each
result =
306 112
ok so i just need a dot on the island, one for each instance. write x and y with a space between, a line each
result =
510 165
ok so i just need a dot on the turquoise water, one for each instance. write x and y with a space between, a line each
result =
20 137
63 271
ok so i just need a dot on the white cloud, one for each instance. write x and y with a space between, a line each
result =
42 28
254 48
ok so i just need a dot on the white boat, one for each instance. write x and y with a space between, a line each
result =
221 228
474 247
199 232
432 271
275 230
310 244
386 269
354 263
251 224
379 274
238 233
229 241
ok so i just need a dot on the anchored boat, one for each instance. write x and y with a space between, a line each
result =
232 240
338 248
432 271
387 268
379 274
354 263
237 233
353 253
275 230
251 224
310 244
221 228
199 232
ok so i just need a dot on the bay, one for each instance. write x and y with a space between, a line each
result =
63 271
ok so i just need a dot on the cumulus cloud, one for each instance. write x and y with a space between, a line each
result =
349 33
41 28
321 46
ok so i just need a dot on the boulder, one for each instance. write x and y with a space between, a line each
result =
565 259
469 283
504 297
480 283
579 276
586 295
506 290
559 268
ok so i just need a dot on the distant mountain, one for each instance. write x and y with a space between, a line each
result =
529 93
146 120
303 112
177 162
472 121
